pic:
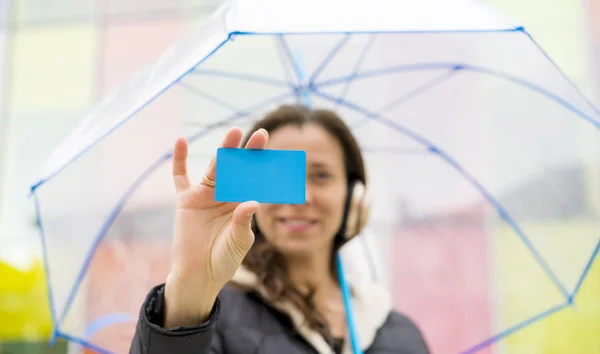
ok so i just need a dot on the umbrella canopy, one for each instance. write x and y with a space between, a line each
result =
483 160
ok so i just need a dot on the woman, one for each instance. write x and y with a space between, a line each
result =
262 279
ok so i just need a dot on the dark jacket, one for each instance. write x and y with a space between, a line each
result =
241 323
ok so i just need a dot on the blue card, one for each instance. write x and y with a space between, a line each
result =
266 176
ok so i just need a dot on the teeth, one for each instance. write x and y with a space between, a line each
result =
297 222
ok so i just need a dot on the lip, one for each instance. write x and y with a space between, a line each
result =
297 224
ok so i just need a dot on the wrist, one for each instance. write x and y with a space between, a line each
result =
188 301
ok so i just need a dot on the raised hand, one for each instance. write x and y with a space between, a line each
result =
210 238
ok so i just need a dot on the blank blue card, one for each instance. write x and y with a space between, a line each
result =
266 176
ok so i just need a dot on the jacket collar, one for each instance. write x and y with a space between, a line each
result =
371 305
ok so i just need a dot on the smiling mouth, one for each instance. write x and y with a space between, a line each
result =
297 225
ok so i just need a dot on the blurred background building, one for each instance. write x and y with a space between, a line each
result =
58 57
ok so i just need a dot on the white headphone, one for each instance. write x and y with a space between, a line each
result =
357 211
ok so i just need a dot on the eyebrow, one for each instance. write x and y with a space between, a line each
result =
318 164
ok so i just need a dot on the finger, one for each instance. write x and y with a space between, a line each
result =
241 237
180 177
258 140
232 139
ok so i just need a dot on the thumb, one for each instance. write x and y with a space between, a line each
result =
241 236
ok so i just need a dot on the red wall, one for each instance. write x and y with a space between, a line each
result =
118 281
442 281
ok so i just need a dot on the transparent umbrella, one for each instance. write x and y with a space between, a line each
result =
483 161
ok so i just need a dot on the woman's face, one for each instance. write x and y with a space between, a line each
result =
303 229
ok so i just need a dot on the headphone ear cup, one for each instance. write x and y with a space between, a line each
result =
358 211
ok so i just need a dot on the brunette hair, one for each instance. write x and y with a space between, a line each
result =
265 260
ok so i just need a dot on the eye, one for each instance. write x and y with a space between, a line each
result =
320 176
